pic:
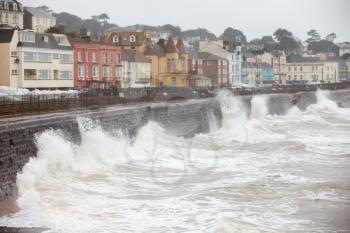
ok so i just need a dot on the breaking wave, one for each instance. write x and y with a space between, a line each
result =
252 174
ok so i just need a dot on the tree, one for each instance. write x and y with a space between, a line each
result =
313 36
53 30
104 17
331 37
323 46
45 8
234 36
281 34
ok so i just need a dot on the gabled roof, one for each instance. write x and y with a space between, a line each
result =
6 35
209 56
38 12
133 56
181 47
170 46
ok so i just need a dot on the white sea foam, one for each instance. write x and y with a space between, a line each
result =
257 171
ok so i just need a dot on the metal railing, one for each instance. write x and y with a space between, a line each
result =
12 105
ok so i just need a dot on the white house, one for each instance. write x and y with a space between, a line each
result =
11 13
36 60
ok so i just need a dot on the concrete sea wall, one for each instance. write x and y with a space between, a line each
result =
17 135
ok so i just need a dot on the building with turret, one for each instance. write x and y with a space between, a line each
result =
169 63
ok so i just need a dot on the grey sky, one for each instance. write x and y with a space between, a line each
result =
254 17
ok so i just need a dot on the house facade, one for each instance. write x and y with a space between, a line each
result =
38 20
96 65
277 60
11 14
344 48
225 52
128 40
169 63
251 75
35 60
136 72
312 72
210 66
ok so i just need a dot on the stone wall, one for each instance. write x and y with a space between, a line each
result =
17 137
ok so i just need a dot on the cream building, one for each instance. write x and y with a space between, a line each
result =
136 71
35 60
11 13
37 19
312 72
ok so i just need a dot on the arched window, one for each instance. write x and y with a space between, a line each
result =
116 39
132 38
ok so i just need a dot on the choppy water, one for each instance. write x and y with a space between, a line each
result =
258 173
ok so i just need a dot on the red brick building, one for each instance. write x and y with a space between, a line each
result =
96 65
208 66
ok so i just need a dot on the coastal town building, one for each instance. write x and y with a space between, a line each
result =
35 60
96 65
277 60
11 14
38 20
128 40
344 48
251 75
312 71
209 70
230 53
136 72
169 63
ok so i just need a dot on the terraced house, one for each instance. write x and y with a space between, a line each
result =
11 14
35 60
37 19
96 65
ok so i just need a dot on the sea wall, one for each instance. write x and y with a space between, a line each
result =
17 135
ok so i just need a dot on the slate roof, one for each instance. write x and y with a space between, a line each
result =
133 56
180 46
124 38
38 12
6 35
170 46
40 43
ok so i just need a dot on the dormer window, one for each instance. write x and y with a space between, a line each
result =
132 39
1 7
116 39
6 6
14 6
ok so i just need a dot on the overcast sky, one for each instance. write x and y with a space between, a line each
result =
254 17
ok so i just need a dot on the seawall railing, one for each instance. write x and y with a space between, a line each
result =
14 105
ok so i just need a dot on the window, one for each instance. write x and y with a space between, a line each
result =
66 58
115 39
94 57
301 68
295 68
95 71
14 72
66 75
86 56
173 82
30 56
14 7
27 37
106 71
81 71
79 57
119 71
45 57
105 58
13 53
117 58
45 74
56 56
132 38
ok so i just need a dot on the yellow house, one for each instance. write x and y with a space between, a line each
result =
169 63
312 72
